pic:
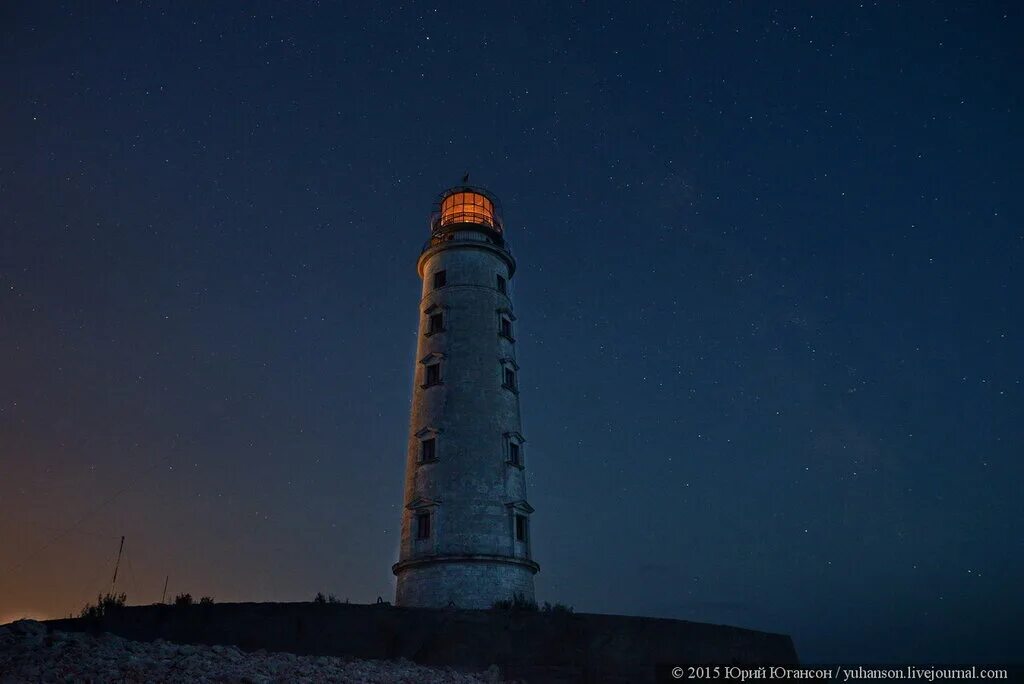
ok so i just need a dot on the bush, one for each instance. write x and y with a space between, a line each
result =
517 602
556 608
330 598
105 604
206 601
183 600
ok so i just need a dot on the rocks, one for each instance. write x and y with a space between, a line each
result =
27 627
29 653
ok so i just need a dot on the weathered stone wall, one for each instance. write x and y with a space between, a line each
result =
471 492
536 646
465 583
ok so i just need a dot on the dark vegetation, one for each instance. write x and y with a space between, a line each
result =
105 604
556 608
517 602
520 602
108 603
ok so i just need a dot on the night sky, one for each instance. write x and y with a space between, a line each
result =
768 298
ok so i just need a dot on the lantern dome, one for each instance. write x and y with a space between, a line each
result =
466 206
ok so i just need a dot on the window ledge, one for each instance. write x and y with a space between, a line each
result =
511 389
427 460
515 465
430 333
507 337
433 384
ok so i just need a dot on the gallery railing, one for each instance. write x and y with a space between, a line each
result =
466 236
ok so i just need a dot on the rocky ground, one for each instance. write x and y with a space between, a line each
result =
30 653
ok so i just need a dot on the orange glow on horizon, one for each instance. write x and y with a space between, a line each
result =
23 615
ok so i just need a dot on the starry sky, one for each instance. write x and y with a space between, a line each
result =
768 299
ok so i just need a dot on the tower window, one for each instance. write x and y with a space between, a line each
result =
440 279
433 374
509 368
436 323
428 450
502 285
506 328
521 527
423 526
513 449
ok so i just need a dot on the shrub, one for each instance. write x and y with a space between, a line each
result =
206 601
329 598
183 600
105 604
556 608
517 602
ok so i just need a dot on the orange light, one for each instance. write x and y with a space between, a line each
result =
467 207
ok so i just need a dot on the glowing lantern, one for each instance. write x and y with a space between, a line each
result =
466 206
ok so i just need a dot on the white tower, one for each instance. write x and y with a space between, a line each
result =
466 521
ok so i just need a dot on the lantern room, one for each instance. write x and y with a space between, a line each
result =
466 206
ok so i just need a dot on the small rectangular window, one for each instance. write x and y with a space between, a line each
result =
436 324
434 374
440 279
510 378
506 327
513 453
428 450
423 526
502 285
520 527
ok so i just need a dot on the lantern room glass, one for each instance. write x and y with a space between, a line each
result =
467 207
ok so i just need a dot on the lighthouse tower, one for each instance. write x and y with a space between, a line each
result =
466 520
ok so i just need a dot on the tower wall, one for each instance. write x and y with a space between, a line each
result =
471 492
467 585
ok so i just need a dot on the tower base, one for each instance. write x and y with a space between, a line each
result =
463 581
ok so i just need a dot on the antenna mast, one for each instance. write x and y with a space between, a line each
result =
113 582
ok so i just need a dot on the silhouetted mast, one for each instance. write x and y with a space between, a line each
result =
117 564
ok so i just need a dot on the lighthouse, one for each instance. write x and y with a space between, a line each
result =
466 521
